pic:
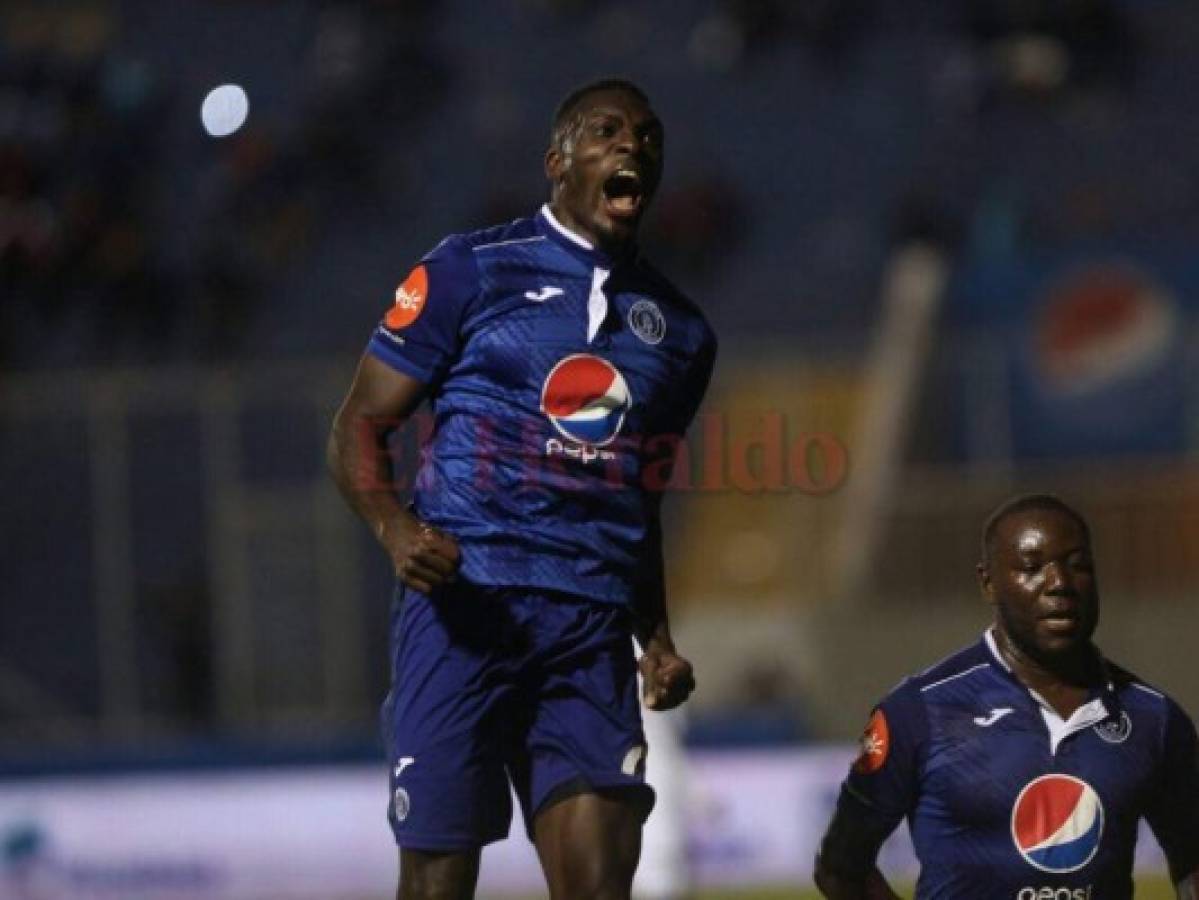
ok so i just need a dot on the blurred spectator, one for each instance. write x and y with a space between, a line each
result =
1042 48
743 31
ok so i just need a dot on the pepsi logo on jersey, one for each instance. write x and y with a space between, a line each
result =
1052 893
1057 822
586 399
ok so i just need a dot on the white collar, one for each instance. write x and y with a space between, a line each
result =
563 230
1090 713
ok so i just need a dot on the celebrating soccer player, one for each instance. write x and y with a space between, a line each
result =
560 368
1024 762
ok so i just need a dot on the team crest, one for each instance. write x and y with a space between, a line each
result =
1115 731
874 745
647 321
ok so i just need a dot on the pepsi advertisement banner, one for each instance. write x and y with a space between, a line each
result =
1097 349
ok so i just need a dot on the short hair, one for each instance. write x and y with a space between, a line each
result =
570 105
1024 503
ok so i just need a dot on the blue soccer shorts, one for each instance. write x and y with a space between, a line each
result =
491 685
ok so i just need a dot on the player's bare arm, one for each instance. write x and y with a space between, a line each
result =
379 401
667 678
1188 888
845 868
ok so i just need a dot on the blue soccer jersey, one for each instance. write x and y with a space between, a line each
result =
1007 800
559 383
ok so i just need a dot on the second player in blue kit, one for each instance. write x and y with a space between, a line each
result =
560 369
1025 762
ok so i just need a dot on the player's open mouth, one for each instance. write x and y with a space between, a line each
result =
623 193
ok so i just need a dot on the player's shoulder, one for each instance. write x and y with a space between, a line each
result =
663 289
912 700
958 669
653 280
469 247
1136 692
517 236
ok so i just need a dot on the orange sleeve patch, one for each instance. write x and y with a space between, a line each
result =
874 745
410 299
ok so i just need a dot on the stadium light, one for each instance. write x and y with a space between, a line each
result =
224 110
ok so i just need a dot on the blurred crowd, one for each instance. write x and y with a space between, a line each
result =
809 136
91 267
98 265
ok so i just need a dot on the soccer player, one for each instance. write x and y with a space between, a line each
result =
560 368
1024 762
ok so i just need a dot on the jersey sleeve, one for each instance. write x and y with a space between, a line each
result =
421 335
883 778
1174 813
881 786
694 384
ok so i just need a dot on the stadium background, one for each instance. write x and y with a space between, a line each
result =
949 249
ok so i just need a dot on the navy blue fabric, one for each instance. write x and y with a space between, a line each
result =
537 497
955 770
492 683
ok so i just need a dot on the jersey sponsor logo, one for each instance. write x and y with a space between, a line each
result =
634 761
874 745
1052 893
647 321
586 399
410 299
543 294
1057 822
401 804
1115 731
992 717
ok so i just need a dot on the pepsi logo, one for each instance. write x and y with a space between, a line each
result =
1057 823
1102 325
586 398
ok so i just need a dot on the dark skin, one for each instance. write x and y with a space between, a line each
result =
611 131
1039 579
588 843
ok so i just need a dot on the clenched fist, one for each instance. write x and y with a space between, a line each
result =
424 557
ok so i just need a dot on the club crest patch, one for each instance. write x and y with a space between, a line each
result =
1115 731
647 322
